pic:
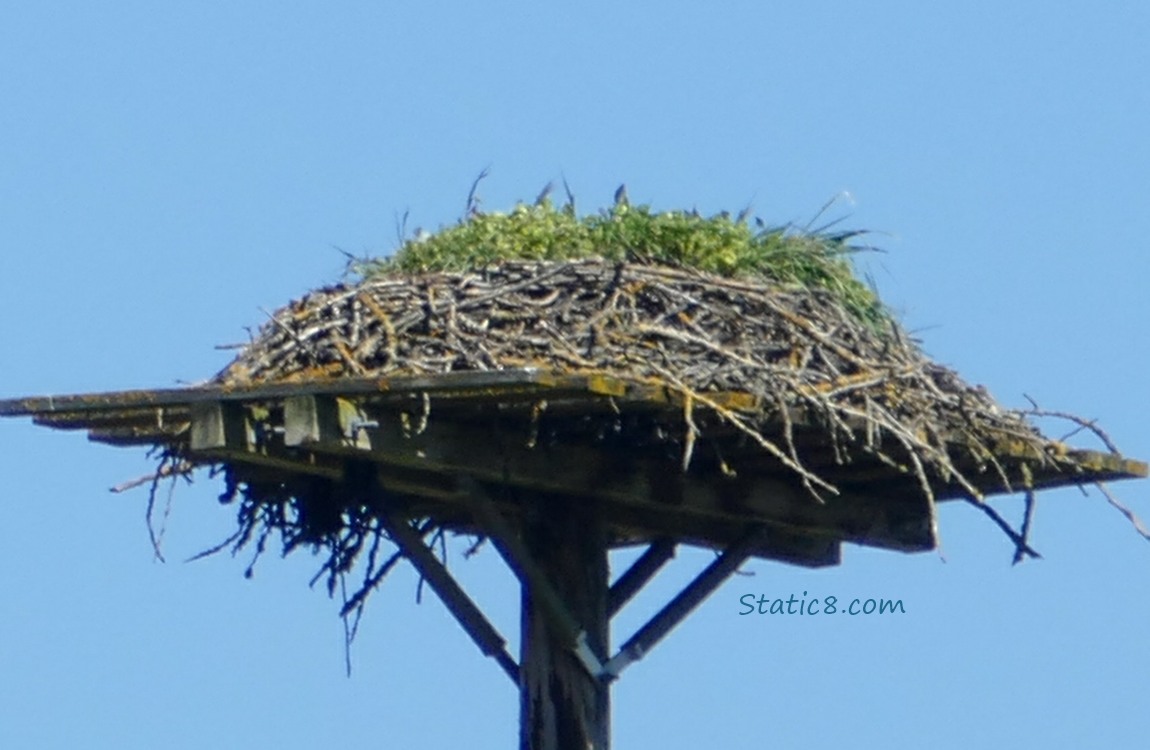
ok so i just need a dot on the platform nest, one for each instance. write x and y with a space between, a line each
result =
798 351
699 307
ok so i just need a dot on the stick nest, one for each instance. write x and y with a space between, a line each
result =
694 332
698 306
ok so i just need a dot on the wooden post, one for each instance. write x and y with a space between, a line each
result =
562 705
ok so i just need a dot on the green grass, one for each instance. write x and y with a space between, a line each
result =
717 244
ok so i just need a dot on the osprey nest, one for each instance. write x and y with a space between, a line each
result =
697 305
693 332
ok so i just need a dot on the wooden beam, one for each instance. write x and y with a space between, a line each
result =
318 434
130 436
159 417
564 705
684 603
487 384
626 523
483 450
466 613
413 478
567 630
639 574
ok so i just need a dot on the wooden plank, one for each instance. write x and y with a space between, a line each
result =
480 384
492 387
627 523
138 436
322 429
318 423
159 417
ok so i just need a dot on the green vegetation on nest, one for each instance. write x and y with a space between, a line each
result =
716 244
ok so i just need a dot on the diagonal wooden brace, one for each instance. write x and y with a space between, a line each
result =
518 559
639 574
684 603
454 598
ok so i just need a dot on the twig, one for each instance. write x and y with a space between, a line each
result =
692 430
1087 424
472 207
1134 520
736 421
163 471
1027 515
1020 545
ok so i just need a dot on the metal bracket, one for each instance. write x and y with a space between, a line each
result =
587 657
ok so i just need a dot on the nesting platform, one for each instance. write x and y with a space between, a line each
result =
558 469
562 404
530 433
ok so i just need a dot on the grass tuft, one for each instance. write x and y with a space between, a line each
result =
716 244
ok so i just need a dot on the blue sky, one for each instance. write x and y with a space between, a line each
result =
165 173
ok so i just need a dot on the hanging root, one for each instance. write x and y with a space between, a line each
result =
172 466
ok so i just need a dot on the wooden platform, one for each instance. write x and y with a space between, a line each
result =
556 470
532 433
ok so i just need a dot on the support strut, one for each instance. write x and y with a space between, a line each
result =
639 574
685 602
466 612
558 551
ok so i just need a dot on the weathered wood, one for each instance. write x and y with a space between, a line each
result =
562 705
219 425
630 523
483 451
163 419
328 428
338 427
148 415
470 386
222 431
318 433
477 384
520 558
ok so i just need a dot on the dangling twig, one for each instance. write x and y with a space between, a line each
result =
1134 520
1021 547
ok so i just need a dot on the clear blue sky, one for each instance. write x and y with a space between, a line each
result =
166 172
